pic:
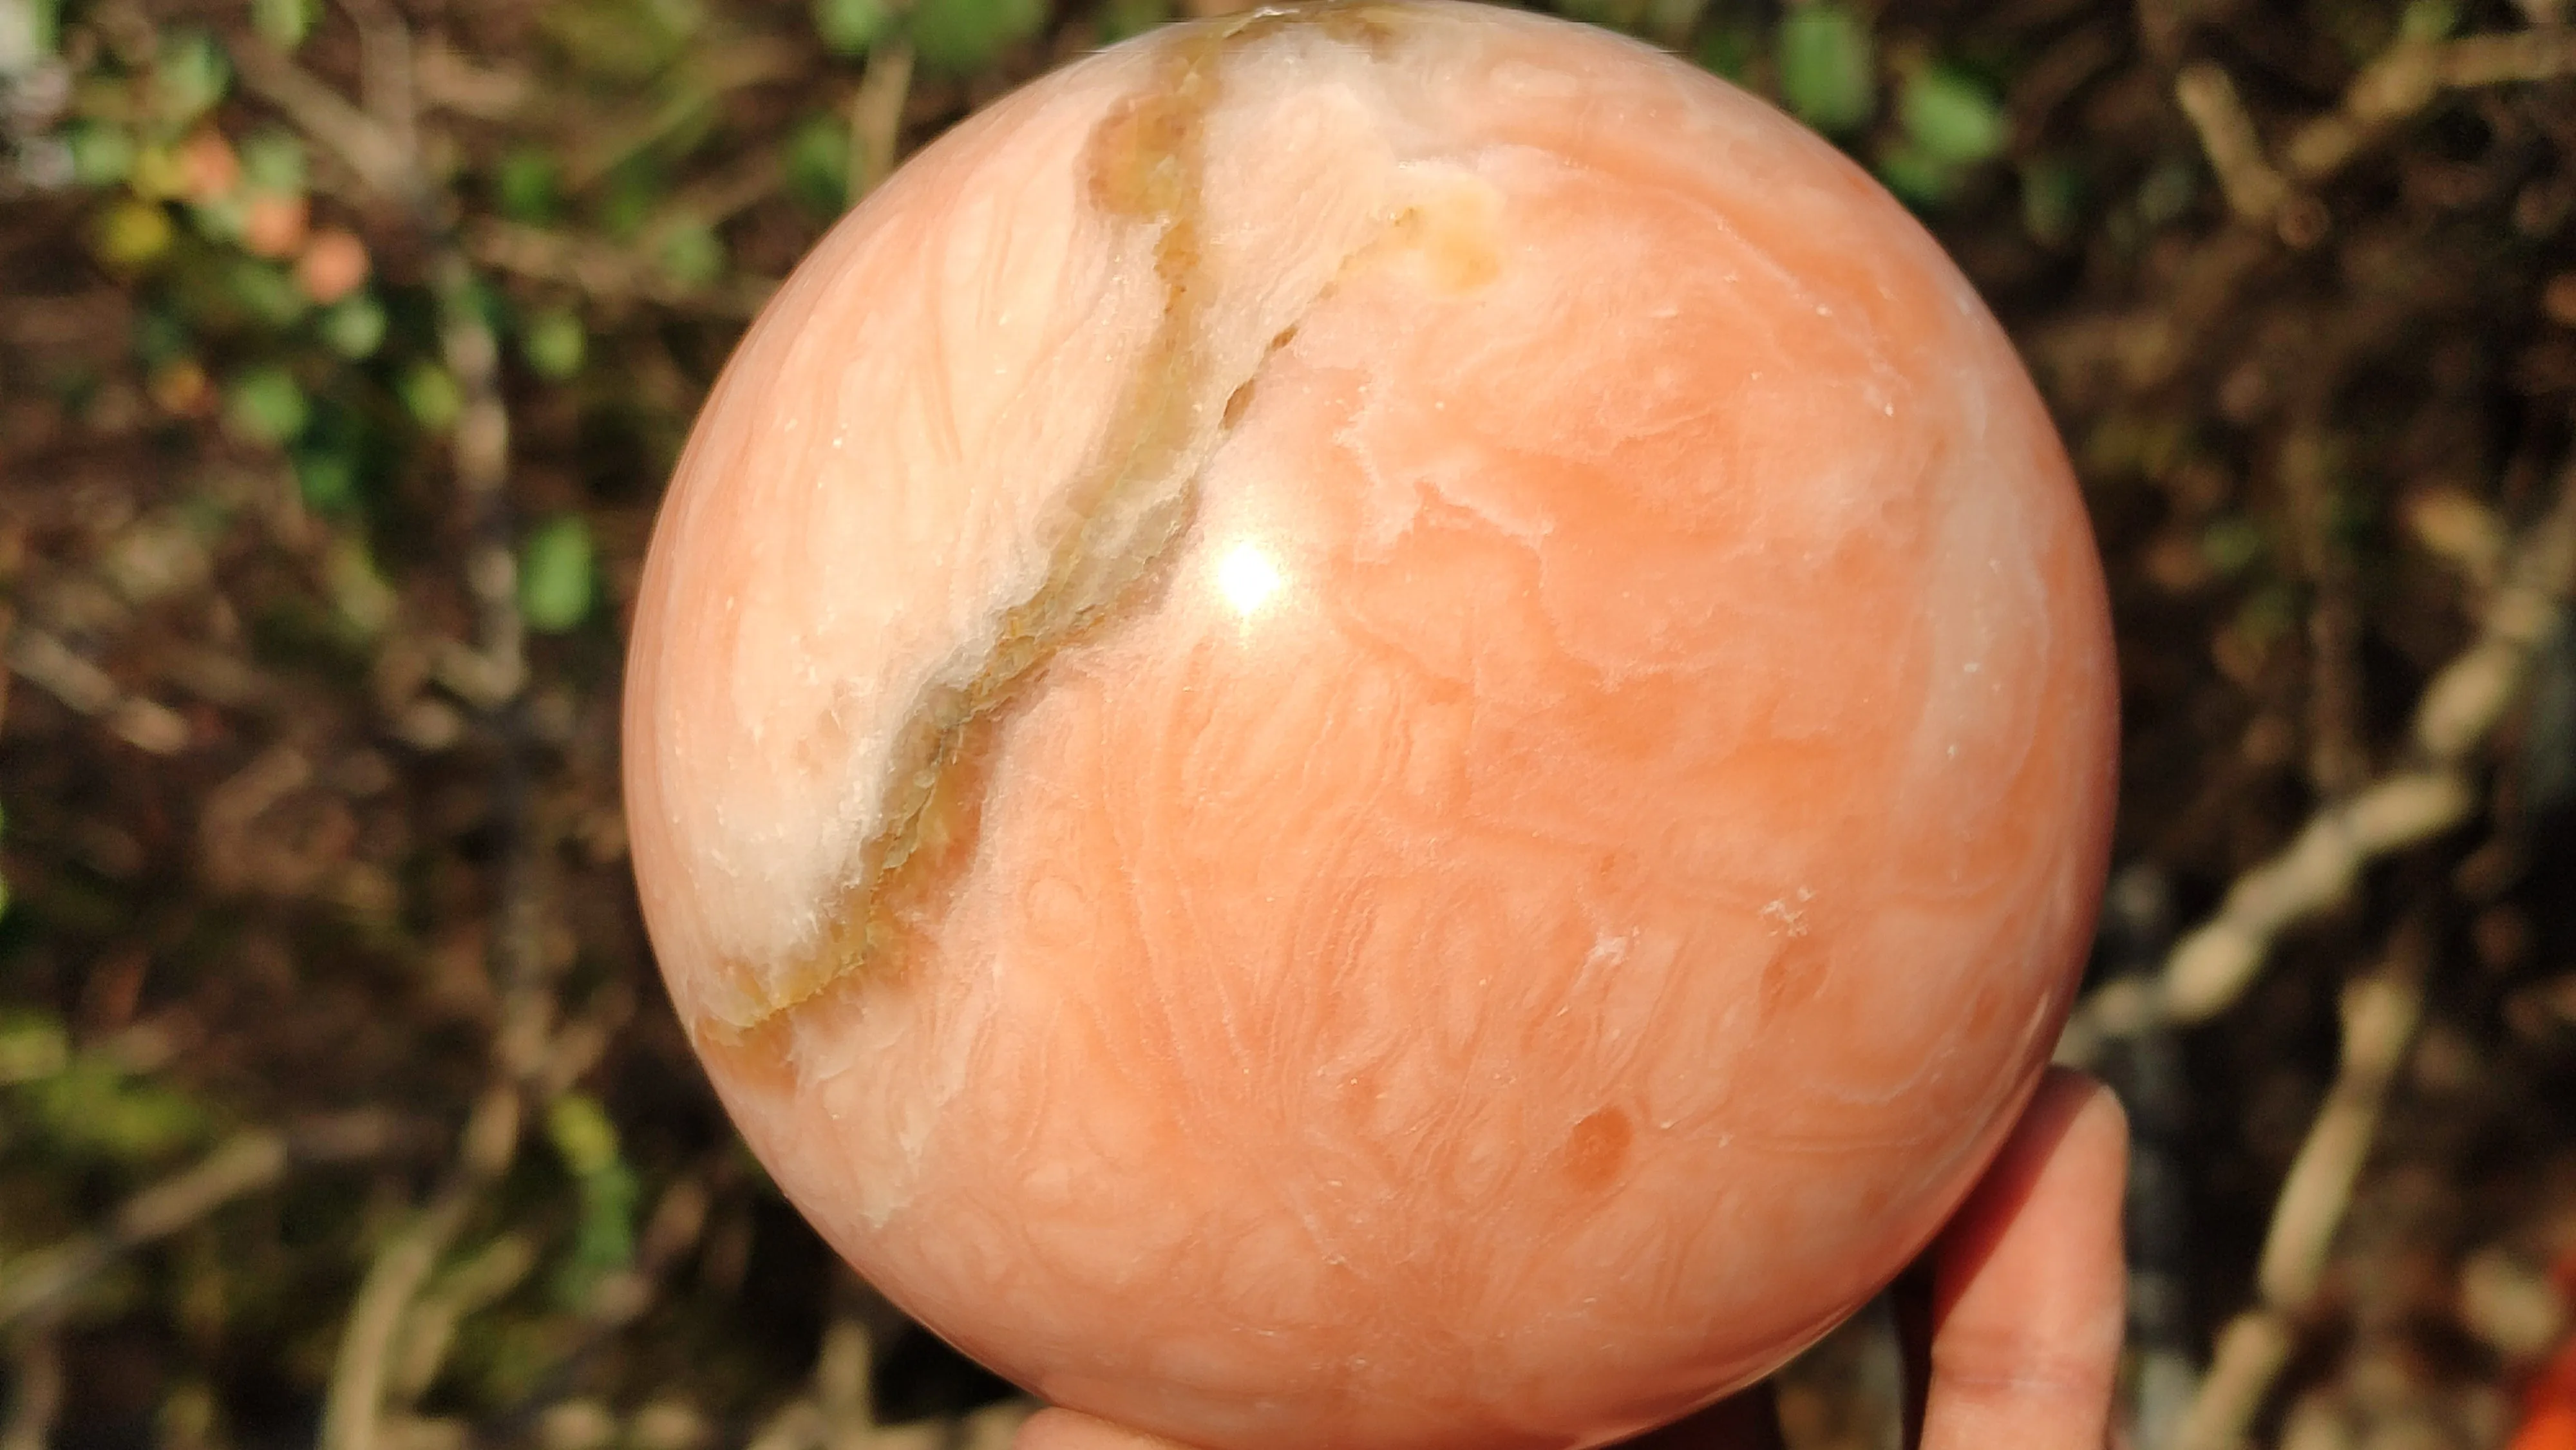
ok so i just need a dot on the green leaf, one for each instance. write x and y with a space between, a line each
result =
582 1133
528 187
282 23
628 200
692 255
2426 21
627 41
850 27
1952 118
102 154
1120 19
93 1108
133 234
266 291
354 326
191 76
816 165
555 344
2052 202
273 161
431 396
604 1242
41 24
963 36
160 337
555 576
221 220
1916 175
266 405
32 1047
1726 49
2233 544
327 478
1614 14
1828 66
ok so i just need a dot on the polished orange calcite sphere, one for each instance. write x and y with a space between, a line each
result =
1380 726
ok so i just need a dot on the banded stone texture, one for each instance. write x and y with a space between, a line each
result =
1381 726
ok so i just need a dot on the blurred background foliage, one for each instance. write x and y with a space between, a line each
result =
347 345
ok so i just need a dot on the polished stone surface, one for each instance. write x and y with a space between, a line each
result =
1382 727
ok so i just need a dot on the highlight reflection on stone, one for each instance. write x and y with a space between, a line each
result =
1378 726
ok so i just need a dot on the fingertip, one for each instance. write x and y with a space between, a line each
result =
2093 1119
2029 1283
1054 1429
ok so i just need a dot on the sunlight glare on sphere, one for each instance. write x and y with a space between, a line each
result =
1374 727
1247 577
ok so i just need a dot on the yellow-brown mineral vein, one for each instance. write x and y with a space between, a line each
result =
1121 519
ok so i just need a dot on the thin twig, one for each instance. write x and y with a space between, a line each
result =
2380 1012
2401 83
480 450
2406 79
60 671
378 157
2211 967
605 272
876 117
842 1389
353 1407
2337 762
41 1284
2254 188
387 72
35 1392
380 145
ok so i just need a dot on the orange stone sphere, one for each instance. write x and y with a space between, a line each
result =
1376 726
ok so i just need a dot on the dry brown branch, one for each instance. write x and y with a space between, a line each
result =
2338 762
60 671
732 65
876 117
842 1392
2210 968
353 1408
838 1412
2379 1012
449 80
2409 76
379 158
387 72
428 1330
2280 198
798 1425
360 1405
480 450
35 1393
39 1286
2254 189
2459 529
607 273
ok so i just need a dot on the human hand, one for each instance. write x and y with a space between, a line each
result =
2026 1313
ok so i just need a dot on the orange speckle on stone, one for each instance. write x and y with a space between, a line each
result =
1597 1148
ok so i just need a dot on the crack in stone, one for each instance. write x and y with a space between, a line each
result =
1126 517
